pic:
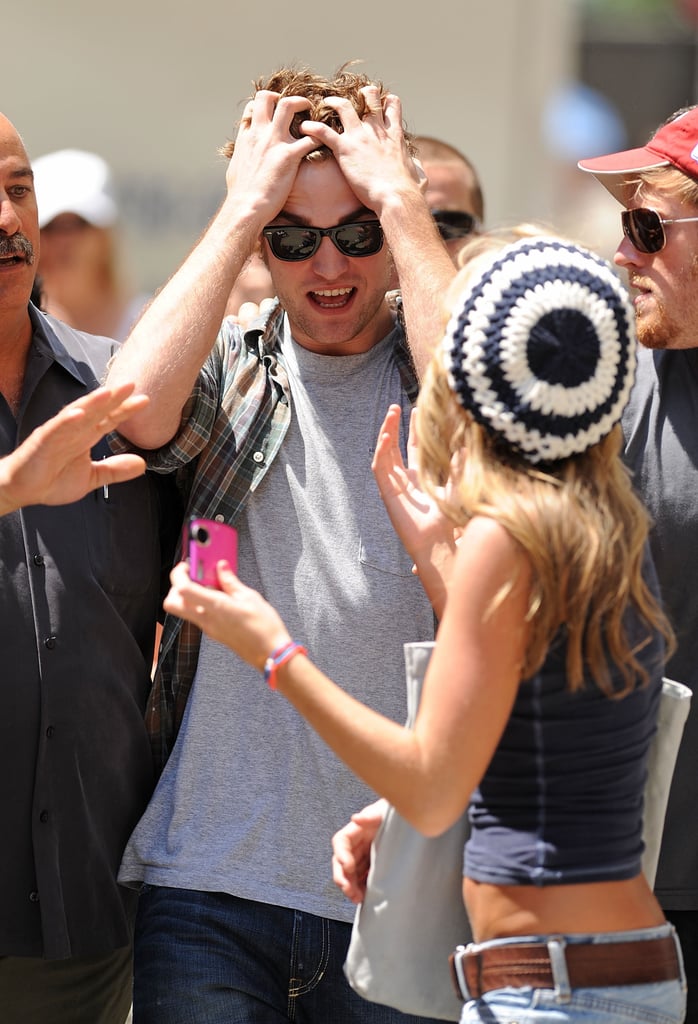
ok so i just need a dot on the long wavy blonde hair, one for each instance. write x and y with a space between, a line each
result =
580 522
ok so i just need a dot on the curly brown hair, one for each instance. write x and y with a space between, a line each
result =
299 80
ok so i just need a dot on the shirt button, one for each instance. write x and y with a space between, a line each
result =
38 559
43 817
220 518
50 642
34 897
258 456
50 731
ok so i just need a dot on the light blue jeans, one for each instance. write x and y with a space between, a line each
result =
660 1003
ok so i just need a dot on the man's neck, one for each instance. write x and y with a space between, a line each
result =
15 339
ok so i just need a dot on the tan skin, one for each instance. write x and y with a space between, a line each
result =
470 687
448 187
355 319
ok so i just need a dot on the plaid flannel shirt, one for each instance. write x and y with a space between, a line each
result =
232 427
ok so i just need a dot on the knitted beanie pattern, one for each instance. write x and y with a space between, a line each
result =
541 348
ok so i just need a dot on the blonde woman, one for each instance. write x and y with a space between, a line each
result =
541 696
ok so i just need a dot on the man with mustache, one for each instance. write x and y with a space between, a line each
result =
80 588
657 185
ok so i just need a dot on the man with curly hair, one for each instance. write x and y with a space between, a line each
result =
271 429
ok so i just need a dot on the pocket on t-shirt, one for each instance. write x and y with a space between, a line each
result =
379 546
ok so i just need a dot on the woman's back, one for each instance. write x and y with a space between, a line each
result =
561 801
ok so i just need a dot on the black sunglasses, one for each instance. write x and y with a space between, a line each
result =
291 243
644 228
455 223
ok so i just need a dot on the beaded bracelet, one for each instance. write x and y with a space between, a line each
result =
279 657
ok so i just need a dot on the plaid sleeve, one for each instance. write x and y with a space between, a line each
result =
198 419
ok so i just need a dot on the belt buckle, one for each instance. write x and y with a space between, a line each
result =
460 981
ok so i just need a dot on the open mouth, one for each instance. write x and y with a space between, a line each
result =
332 298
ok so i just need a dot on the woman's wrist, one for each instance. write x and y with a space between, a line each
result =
278 657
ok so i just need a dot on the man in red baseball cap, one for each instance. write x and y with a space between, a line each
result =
658 187
675 143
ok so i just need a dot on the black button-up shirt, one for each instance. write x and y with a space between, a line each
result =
80 592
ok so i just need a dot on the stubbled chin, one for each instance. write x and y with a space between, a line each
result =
653 332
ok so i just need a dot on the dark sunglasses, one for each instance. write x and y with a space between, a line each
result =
455 223
644 228
288 242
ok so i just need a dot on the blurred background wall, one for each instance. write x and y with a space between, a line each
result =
523 87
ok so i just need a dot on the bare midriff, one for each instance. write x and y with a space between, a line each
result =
497 911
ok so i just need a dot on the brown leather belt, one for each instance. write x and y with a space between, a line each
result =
476 970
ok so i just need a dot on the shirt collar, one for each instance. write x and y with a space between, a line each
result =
46 342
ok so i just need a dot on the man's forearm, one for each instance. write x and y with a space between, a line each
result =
424 269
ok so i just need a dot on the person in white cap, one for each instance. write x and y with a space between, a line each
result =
80 270
657 185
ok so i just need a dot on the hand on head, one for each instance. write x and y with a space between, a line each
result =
266 156
371 149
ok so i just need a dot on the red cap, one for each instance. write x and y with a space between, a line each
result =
676 143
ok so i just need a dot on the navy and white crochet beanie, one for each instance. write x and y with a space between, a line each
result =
541 348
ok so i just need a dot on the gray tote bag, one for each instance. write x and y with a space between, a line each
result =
413 917
673 711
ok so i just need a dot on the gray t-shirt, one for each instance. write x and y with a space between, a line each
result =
661 431
250 796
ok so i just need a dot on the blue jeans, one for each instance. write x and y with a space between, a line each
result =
211 958
660 1003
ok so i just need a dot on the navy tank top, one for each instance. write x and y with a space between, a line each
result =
561 800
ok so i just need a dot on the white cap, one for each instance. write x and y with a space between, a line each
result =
73 181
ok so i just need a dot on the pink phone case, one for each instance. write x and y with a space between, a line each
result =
206 543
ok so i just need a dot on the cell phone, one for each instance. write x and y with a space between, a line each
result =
206 542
